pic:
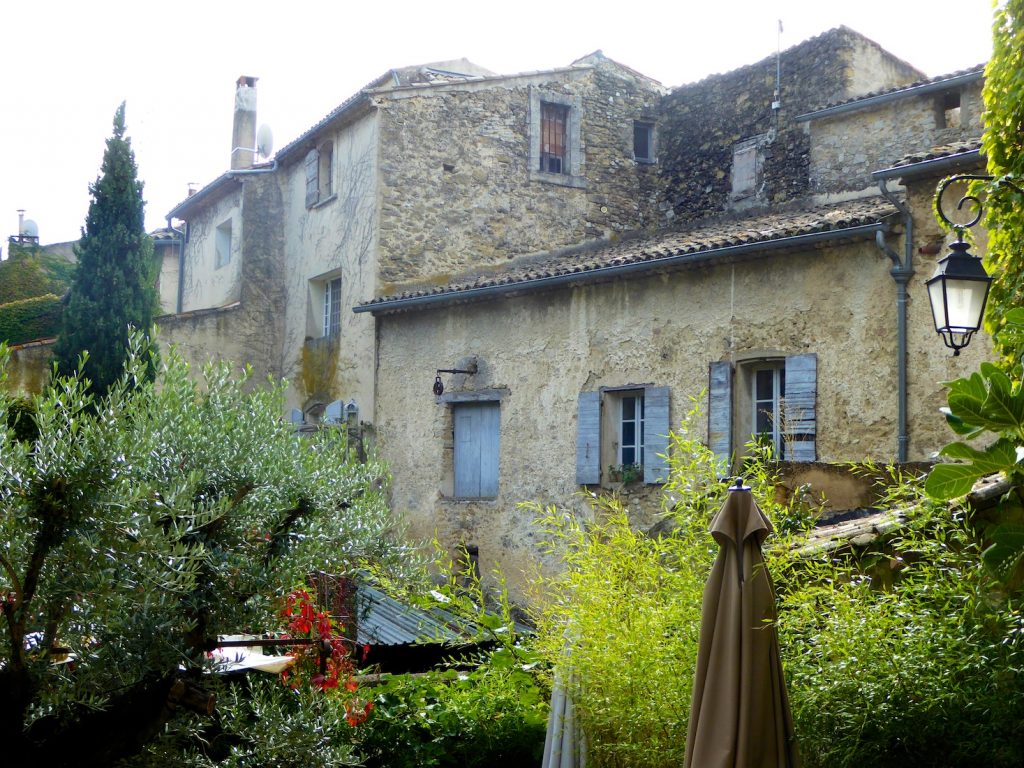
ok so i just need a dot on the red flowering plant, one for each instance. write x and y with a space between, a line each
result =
326 663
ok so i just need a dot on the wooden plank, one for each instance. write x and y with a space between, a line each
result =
656 428
588 438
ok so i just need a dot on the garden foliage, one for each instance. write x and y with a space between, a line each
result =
139 526
909 655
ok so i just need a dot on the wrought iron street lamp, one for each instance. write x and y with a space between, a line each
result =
959 288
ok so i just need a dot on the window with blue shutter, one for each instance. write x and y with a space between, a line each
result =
635 434
312 169
477 430
771 399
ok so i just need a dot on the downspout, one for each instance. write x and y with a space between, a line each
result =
902 271
181 265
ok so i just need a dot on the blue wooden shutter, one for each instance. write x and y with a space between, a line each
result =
477 435
490 437
656 428
312 177
720 412
588 439
799 415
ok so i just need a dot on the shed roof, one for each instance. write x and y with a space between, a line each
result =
708 240
943 158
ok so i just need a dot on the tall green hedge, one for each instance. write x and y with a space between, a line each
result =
29 319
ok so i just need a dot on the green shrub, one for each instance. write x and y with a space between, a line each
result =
494 717
29 319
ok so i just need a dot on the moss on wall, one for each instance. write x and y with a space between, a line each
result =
29 319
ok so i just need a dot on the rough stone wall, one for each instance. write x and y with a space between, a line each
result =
848 147
456 189
702 122
546 348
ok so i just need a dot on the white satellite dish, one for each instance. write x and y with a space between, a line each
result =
29 229
264 141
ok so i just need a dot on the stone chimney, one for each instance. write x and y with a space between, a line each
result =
243 137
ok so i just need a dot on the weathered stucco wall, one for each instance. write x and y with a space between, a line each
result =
166 255
545 349
457 190
206 285
335 238
248 331
28 368
703 122
848 147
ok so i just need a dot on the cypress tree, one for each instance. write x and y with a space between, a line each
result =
114 286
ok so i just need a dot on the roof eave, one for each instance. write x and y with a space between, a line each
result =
620 270
935 86
933 167
204 196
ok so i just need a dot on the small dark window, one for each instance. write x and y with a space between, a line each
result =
554 119
643 142
951 110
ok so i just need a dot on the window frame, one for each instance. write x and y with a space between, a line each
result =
222 243
648 126
754 149
573 165
776 417
331 326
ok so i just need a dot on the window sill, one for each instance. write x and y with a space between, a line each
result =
321 203
560 179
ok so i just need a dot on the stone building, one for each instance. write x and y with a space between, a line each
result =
590 253
787 297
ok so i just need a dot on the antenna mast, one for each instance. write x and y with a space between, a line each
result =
777 100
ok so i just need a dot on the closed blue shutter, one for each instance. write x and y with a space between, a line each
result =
588 439
720 412
477 430
799 414
656 428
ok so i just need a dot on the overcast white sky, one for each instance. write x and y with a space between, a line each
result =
65 65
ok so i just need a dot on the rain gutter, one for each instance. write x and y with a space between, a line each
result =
619 270
181 265
903 270
936 86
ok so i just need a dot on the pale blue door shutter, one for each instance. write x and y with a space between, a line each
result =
720 411
656 427
477 437
799 415
588 439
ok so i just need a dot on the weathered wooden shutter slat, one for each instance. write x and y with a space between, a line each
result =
720 411
490 437
588 439
467 451
312 177
799 407
656 429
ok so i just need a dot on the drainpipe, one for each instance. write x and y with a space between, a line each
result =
902 271
181 265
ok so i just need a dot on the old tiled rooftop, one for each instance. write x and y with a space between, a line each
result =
939 152
709 239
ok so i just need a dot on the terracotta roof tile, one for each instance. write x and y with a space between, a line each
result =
711 238
979 69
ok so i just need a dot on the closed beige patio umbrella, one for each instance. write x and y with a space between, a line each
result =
740 716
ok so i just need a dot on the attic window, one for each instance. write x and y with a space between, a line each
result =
643 141
556 145
950 116
554 119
